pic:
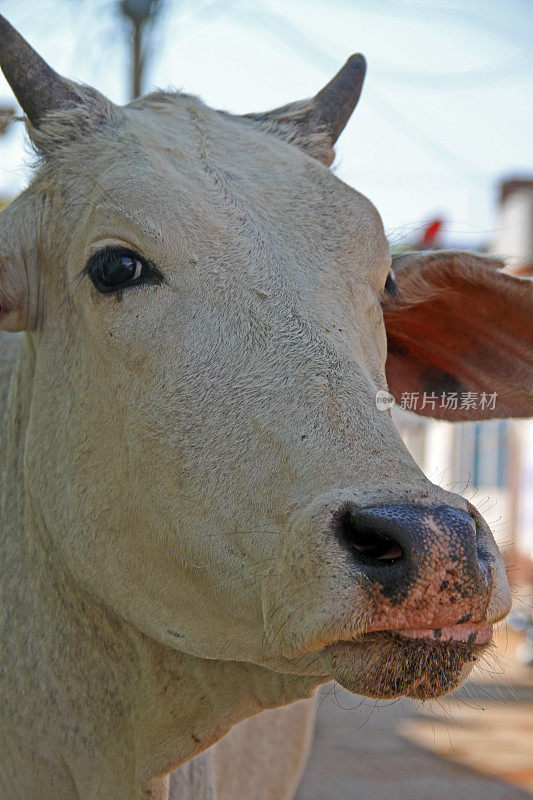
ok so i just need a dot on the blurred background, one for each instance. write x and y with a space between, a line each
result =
441 144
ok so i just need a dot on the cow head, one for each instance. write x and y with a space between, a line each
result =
207 309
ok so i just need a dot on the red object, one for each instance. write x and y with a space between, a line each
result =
431 232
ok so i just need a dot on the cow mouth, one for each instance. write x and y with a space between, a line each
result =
418 663
468 634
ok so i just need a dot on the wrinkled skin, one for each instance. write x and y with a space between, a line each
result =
175 452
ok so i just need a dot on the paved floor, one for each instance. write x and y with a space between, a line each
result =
474 745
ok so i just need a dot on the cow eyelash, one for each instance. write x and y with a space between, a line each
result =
113 269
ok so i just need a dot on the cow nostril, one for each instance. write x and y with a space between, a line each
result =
374 546
364 539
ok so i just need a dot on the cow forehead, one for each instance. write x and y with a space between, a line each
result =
179 171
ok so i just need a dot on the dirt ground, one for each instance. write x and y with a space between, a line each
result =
476 744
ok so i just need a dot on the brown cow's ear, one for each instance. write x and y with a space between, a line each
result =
460 337
18 268
314 125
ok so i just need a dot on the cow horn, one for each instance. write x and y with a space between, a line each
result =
36 86
335 103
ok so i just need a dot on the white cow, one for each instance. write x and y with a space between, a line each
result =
204 514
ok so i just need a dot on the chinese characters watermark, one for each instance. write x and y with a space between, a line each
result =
431 401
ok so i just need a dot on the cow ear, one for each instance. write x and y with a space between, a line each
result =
314 125
460 337
18 279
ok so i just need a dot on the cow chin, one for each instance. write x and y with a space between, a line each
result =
383 665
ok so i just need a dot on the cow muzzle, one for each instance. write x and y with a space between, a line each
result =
426 569
429 577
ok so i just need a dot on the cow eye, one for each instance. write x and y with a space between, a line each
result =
115 268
